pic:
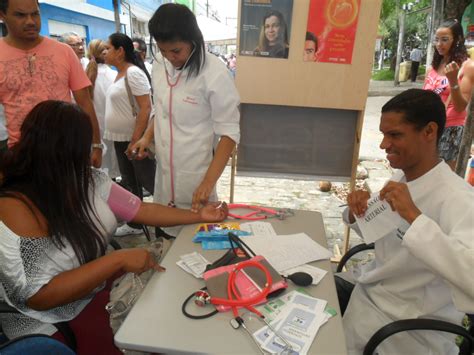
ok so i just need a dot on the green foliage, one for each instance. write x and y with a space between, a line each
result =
416 25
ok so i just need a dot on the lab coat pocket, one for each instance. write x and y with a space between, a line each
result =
185 185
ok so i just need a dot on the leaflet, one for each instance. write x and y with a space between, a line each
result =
193 263
258 228
379 220
298 326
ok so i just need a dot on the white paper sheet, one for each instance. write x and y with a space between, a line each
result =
258 228
379 220
287 251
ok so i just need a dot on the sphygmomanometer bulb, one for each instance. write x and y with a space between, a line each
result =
301 278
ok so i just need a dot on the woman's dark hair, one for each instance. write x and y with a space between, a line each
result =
121 40
175 22
50 166
419 108
282 34
458 51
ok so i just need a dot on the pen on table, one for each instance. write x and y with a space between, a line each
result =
344 205
220 204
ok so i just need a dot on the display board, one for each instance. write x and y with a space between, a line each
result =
301 117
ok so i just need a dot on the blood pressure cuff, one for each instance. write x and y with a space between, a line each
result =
249 281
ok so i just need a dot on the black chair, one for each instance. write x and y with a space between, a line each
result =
39 344
466 347
62 327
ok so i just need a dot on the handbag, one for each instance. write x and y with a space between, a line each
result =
127 288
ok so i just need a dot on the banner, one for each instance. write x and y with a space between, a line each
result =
331 30
265 28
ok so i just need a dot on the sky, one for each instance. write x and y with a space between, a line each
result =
224 8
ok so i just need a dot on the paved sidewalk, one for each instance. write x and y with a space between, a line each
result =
386 88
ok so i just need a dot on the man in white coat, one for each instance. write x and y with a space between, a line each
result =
424 269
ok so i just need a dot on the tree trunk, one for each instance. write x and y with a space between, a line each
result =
116 15
455 8
466 142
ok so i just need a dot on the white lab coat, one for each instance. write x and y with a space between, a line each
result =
204 108
428 274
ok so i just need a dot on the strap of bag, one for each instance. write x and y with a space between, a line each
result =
131 99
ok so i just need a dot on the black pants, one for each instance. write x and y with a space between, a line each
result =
414 70
344 290
135 173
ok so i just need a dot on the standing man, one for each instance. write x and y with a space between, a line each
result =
310 47
34 68
422 269
77 44
415 56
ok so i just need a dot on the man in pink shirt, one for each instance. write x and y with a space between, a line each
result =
34 68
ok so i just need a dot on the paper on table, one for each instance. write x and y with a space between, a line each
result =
379 220
258 228
316 273
287 251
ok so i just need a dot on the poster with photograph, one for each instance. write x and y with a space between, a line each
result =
265 28
331 30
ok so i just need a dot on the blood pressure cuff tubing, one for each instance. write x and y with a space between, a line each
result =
249 281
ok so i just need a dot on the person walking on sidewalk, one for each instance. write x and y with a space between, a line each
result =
452 77
415 56
34 68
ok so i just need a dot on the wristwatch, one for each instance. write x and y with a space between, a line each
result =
98 146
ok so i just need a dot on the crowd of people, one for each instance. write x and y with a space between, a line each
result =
170 129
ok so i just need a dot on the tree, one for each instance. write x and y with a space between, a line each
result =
116 15
455 8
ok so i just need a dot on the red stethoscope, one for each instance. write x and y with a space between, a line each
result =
235 300
171 85
257 212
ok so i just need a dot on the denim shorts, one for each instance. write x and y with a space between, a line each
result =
450 142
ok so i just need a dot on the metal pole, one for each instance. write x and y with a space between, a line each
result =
396 81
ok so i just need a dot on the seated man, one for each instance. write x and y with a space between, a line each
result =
424 269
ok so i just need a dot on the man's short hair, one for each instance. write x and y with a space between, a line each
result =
4 5
310 36
66 36
419 108
141 44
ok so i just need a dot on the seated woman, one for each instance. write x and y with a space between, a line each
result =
57 215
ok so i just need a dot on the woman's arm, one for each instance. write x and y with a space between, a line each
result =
158 215
75 284
144 142
143 115
460 92
221 156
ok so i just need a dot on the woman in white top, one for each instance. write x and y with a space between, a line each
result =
56 218
121 126
197 116
101 77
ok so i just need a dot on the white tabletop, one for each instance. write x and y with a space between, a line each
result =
156 323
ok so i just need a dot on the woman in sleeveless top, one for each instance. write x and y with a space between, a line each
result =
451 76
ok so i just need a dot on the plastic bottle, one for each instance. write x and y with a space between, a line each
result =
470 176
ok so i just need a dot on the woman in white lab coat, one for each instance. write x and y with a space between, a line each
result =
196 125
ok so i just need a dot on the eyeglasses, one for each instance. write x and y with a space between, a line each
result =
77 44
442 40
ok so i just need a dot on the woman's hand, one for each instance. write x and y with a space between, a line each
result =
214 212
201 195
138 150
138 260
452 70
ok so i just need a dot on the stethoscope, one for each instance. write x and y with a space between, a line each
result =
171 86
258 212
235 300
